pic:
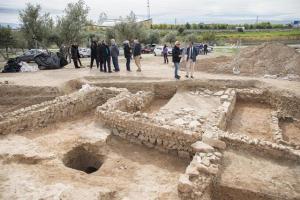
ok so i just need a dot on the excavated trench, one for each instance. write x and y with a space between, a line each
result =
259 128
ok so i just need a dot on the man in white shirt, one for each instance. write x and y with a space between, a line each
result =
191 60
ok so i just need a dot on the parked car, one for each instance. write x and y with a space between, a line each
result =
149 48
159 49
29 55
84 52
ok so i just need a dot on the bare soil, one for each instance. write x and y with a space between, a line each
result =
202 105
252 119
155 106
129 171
290 130
249 177
214 64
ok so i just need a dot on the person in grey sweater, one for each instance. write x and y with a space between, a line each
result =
114 52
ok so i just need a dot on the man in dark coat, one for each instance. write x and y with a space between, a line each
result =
79 61
105 54
127 54
191 53
176 57
74 55
137 50
101 50
114 51
94 55
205 49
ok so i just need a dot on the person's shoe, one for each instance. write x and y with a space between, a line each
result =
101 70
192 77
139 70
129 70
110 72
186 76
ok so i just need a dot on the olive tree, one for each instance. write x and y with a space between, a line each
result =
72 24
6 40
170 37
129 29
35 26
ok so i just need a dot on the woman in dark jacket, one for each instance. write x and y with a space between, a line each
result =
176 57
127 54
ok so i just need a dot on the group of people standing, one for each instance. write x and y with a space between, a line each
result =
191 56
103 54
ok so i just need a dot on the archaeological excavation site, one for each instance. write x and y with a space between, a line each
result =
150 139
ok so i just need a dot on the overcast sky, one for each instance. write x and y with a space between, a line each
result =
165 11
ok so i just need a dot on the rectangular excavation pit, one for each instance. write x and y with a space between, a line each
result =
172 128
252 119
290 130
141 172
250 177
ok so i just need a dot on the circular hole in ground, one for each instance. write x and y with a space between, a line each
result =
84 160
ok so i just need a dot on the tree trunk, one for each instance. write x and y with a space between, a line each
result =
6 51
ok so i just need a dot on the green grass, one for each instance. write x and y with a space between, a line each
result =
261 35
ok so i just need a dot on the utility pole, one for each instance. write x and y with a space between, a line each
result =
175 21
256 19
148 8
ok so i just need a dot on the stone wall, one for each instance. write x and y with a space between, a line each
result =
60 108
123 115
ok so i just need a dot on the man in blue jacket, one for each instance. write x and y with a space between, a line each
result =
191 53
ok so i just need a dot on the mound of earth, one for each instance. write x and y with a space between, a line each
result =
214 65
268 58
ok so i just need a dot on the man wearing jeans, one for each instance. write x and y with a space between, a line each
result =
176 56
191 53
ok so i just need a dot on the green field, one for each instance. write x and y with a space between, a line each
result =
260 35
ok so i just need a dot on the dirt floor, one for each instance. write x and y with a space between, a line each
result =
252 119
129 171
290 130
202 105
249 177
155 106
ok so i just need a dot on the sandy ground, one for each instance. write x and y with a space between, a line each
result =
152 66
129 171
252 119
244 171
